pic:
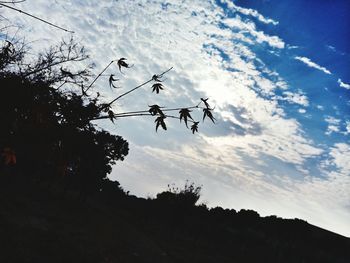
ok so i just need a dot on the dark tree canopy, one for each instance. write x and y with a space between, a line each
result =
46 131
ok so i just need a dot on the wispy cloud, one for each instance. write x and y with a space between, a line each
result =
347 127
250 12
297 98
343 84
249 27
312 64
333 125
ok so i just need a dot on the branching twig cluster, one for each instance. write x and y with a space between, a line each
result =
161 113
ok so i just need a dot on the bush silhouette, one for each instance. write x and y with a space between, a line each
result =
186 197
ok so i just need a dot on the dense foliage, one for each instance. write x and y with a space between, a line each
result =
46 132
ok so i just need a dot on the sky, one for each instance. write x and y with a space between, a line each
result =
277 73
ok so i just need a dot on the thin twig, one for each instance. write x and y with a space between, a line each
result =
52 65
136 115
99 75
12 2
35 17
144 111
139 86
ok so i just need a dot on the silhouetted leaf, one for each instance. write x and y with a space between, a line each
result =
111 79
160 122
155 109
157 87
111 115
185 113
205 102
122 64
207 112
194 127
156 78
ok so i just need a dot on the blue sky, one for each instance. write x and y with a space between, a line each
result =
276 71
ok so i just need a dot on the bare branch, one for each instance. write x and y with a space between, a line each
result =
144 111
35 17
99 75
137 87
135 115
12 2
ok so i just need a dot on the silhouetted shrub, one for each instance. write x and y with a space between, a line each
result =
248 216
186 197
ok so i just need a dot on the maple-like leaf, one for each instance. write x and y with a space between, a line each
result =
194 127
122 64
111 79
207 112
184 114
155 109
205 102
160 122
111 115
157 78
157 87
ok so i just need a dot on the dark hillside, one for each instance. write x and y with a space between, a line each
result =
43 223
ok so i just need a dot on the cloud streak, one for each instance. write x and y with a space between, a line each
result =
343 84
250 12
312 64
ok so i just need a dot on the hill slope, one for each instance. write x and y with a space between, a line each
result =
40 222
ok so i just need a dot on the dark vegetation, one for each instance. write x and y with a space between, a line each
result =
41 223
57 204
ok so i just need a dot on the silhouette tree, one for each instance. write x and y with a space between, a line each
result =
46 130
49 115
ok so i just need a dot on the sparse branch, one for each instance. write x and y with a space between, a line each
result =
65 52
52 65
35 17
135 115
137 87
145 111
99 75
12 2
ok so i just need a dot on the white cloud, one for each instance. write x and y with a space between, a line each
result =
340 157
347 127
312 64
249 27
292 47
296 98
343 84
320 107
333 125
250 12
